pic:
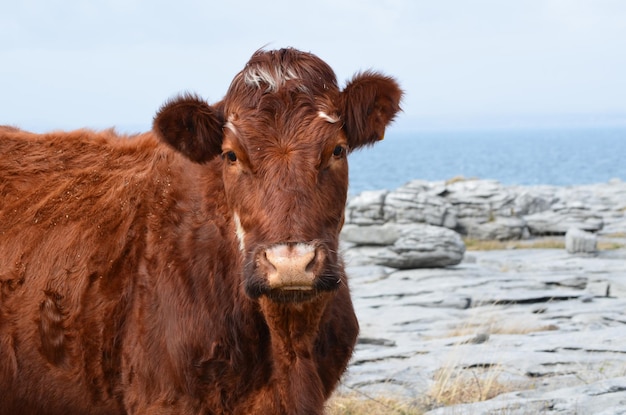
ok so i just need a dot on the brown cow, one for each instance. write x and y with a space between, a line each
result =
192 269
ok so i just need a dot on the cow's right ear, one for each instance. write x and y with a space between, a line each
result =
191 126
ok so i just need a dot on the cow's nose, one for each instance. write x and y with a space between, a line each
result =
291 266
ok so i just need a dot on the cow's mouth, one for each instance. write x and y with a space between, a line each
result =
257 286
291 295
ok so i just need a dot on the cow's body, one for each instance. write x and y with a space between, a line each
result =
142 277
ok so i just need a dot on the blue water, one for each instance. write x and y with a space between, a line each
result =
525 157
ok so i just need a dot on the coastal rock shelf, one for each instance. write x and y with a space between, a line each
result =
536 331
486 209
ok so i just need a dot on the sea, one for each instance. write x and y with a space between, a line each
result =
553 156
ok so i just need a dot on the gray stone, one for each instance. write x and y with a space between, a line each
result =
558 222
482 208
579 241
423 246
362 255
500 228
414 205
530 201
481 199
366 208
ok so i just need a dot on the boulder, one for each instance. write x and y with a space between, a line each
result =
579 241
409 204
500 228
423 246
534 200
481 199
366 208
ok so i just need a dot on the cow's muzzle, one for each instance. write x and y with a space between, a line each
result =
292 272
291 266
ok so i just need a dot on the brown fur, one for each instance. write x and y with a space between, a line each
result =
123 285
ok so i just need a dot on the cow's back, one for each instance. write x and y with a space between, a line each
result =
73 216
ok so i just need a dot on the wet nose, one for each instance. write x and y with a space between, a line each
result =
291 266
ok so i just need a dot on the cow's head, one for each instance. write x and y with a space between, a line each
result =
283 132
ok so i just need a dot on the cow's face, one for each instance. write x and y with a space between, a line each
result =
283 132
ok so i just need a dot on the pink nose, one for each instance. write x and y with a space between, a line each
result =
291 266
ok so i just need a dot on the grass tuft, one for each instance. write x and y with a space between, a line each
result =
353 404
472 244
491 245
455 385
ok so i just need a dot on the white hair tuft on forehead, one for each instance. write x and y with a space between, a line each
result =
330 118
272 78
229 124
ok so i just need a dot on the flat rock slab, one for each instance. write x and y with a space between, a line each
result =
549 325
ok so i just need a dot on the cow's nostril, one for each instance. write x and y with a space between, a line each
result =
311 265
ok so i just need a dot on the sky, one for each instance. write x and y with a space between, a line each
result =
67 64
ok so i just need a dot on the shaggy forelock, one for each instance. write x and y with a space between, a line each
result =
285 69
272 78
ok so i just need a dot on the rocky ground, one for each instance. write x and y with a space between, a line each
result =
534 331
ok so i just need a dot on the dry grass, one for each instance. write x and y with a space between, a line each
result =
457 179
606 242
490 245
353 404
609 246
455 385
541 243
500 328
615 235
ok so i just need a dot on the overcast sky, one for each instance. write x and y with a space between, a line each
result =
72 63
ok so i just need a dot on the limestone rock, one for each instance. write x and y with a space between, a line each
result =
500 228
423 246
558 223
481 199
415 205
546 325
534 200
486 209
376 235
366 208
579 241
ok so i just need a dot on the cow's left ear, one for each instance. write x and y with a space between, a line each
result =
370 101
191 126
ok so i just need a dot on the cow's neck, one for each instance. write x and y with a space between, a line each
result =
293 330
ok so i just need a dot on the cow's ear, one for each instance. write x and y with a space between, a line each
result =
191 126
370 101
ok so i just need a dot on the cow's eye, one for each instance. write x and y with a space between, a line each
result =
339 151
230 156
